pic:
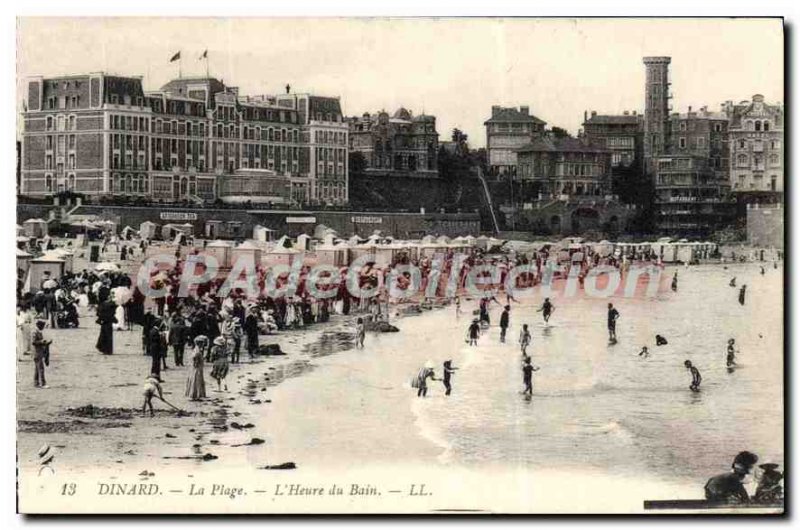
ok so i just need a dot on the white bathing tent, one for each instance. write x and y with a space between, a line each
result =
23 261
37 269
334 255
247 250
147 230
279 254
67 255
303 242
262 233
35 227
221 250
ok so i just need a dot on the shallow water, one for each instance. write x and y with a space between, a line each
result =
595 406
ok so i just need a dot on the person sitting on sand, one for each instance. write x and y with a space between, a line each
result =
769 490
661 341
152 387
696 378
728 487
645 352
732 283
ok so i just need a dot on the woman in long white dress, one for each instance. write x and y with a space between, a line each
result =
24 330
195 383
121 296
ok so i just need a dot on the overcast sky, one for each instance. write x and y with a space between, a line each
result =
455 69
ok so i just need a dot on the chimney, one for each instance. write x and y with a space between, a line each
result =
525 109
690 108
585 115
495 110
288 88
594 113
634 113
626 113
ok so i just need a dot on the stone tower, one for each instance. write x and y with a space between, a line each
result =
656 109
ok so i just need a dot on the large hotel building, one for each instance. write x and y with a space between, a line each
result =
196 139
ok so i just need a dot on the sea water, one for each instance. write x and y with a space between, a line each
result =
596 407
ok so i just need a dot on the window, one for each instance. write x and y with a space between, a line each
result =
49 142
683 126
758 125
742 144
72 141
114 99
766 125
741 160
682 142
49 123
701 142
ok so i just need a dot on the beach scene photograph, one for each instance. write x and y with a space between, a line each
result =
414 265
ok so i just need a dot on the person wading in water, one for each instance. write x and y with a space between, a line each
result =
527 376
447 371
546 309
473 332
504 323
613 315
524 339
696 378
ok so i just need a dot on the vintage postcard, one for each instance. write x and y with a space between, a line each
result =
400 265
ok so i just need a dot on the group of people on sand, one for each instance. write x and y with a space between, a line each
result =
728 488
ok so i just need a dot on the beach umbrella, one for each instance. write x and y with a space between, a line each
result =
121 295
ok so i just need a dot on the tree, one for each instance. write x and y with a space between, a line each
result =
559 133
357 163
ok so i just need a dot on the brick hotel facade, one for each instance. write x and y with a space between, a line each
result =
195 139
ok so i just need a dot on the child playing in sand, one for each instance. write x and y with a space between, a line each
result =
152 387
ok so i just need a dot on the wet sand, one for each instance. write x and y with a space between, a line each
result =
91 415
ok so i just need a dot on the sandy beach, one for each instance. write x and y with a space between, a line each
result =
91 411
599 417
